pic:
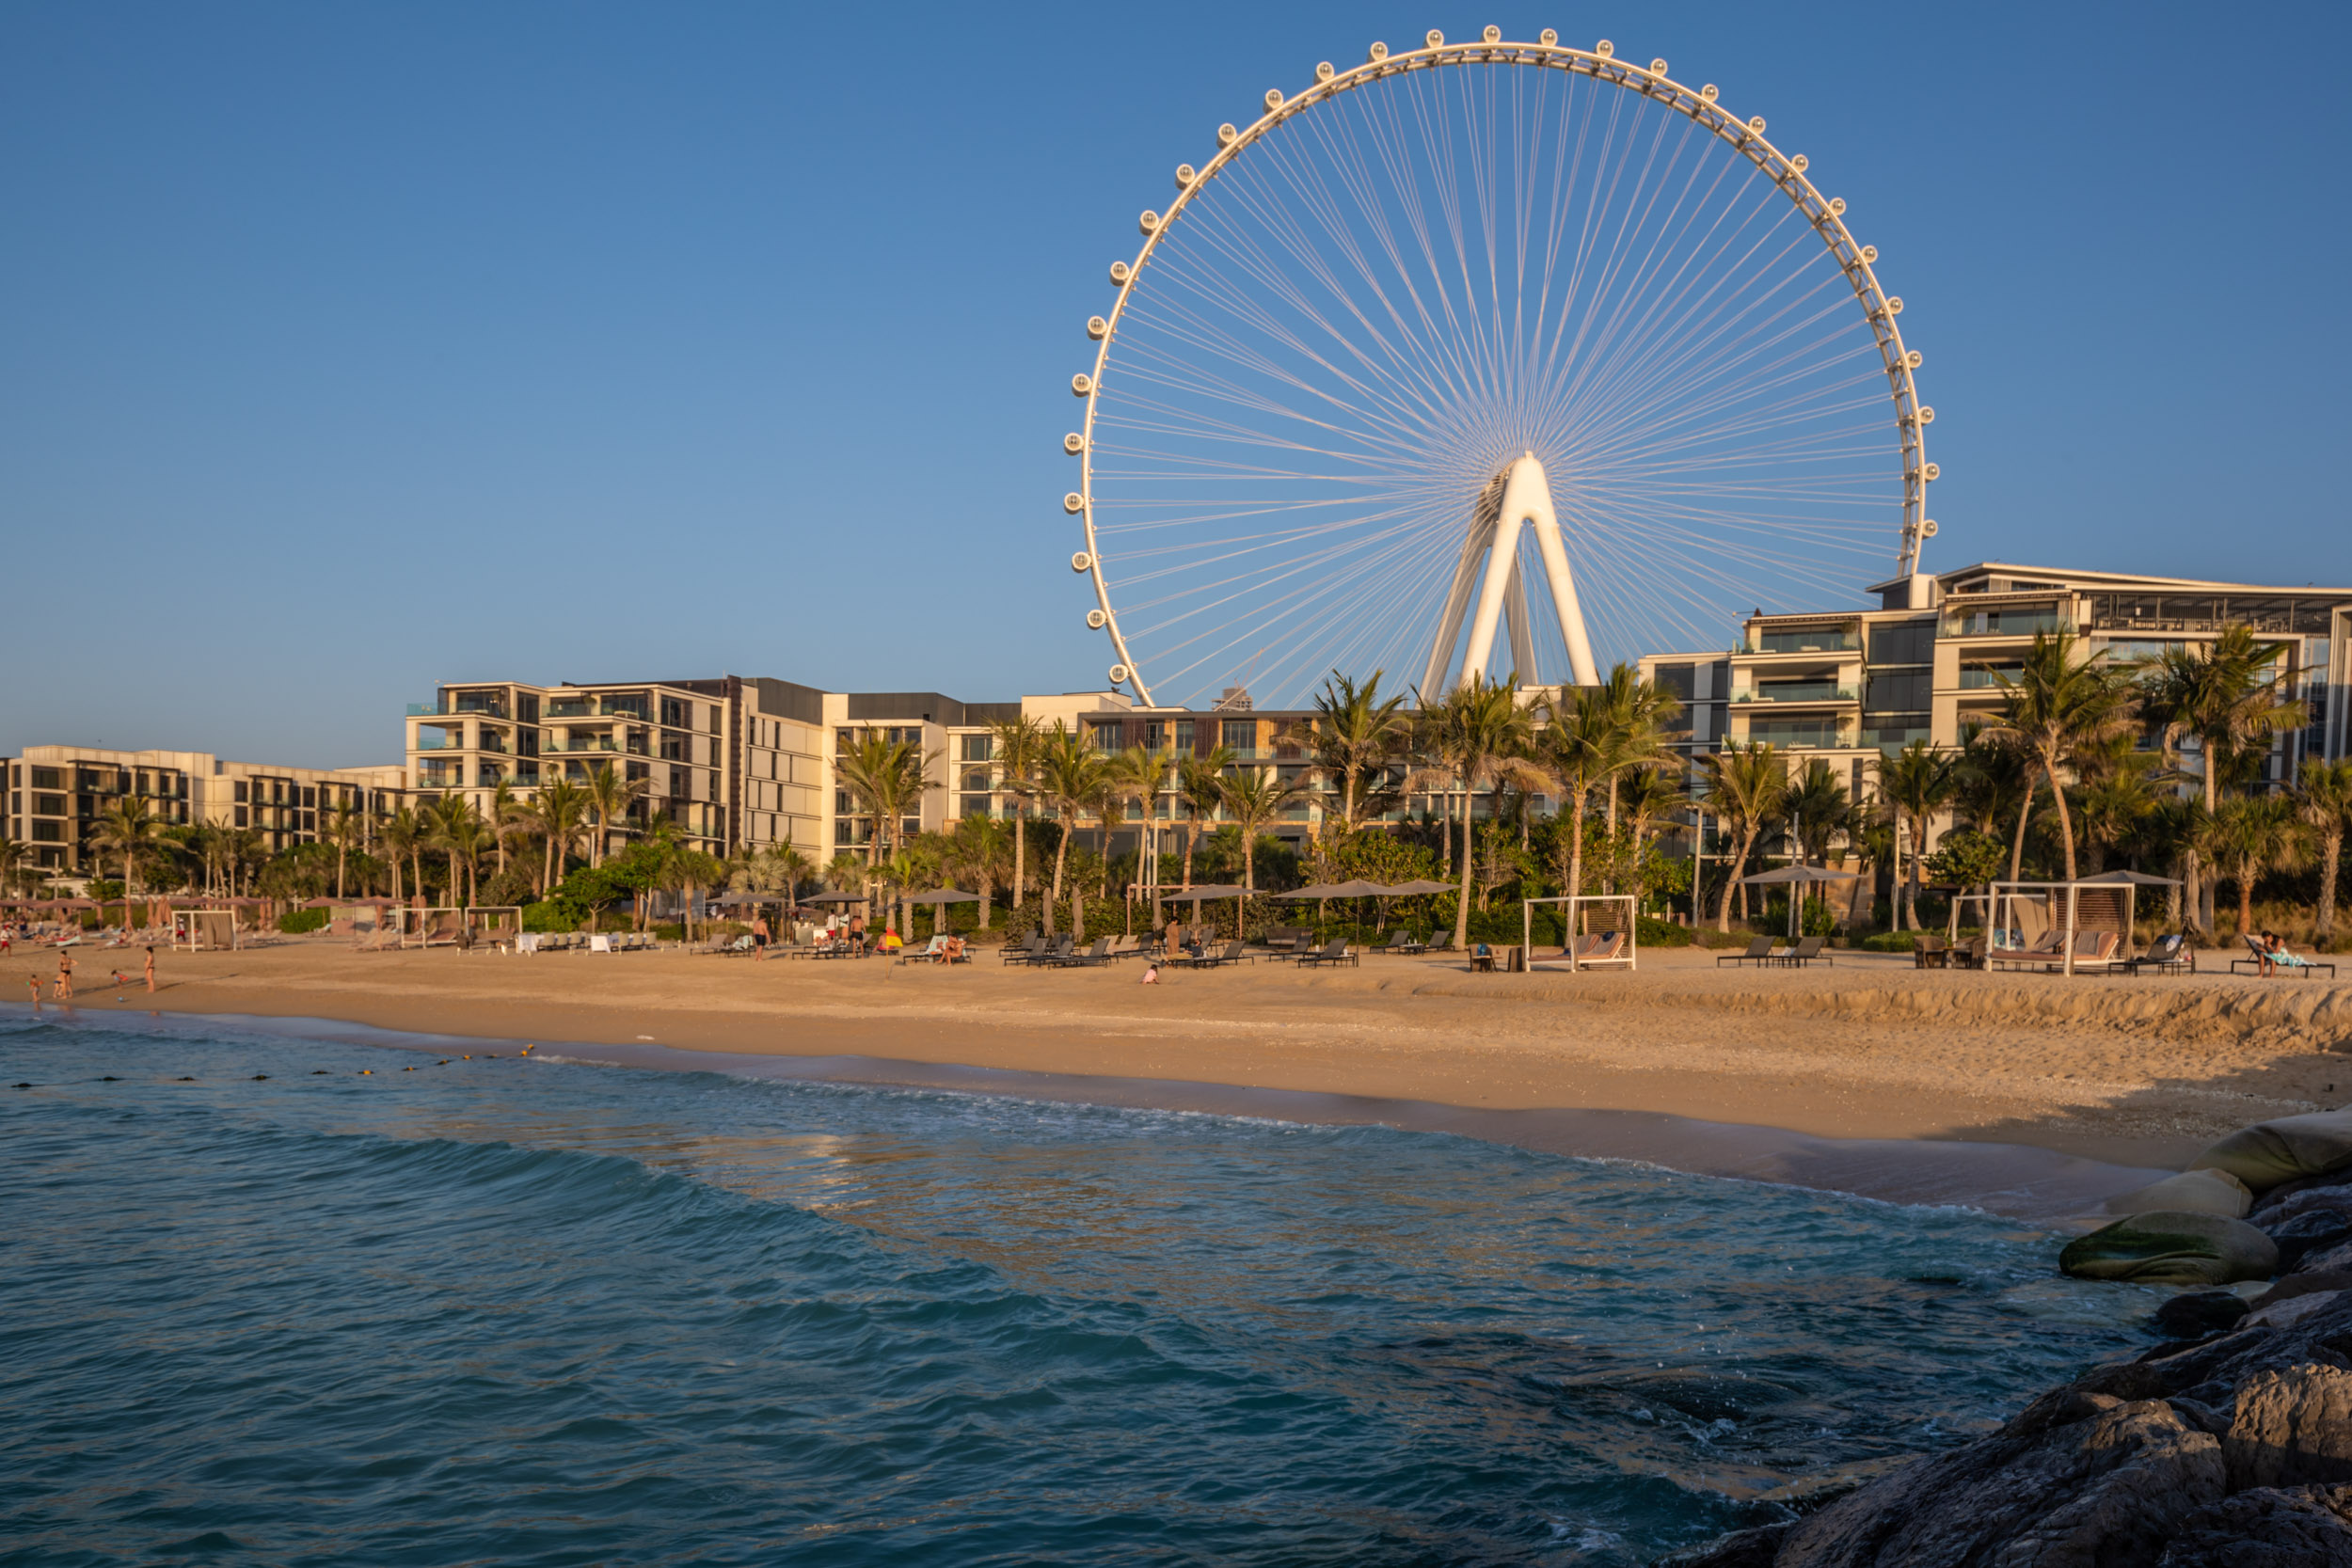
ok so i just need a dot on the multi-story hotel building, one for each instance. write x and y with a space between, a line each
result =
57 794
1849 686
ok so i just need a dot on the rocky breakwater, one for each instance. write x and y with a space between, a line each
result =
2226 1445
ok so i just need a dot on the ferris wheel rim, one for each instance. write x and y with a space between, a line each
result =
1856 261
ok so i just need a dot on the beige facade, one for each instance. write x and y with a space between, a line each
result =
57 794
1849 687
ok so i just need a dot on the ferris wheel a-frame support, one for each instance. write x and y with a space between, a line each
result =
1519 496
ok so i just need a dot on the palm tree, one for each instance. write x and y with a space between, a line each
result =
2112 786
128 830
1819 811
1650 794
1477 733
1016 745
1580 750
1358 734
1915 784
2227 696
1201 790
610 794
975 851
1746 789
1256 798
1135 777
2324 797
1639 712
13 854
340 825
2058 707
557 814
456 829
886 778
2251 834
1070 779
508 817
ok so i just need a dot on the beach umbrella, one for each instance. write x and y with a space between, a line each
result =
1319 890
2133 878
943 895
1798 876
838 898
319 903
1416 888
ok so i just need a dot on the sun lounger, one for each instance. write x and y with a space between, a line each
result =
2299 965
2049 949
1806 952
1330 953
1402 942
1011 953
1760 951
1098 954
1600 947
2167 955
1210 957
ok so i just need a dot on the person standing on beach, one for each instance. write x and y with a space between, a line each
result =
34 981
150 969
65 976
759 938
857 933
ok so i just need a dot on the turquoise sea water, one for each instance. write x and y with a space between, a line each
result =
524 1312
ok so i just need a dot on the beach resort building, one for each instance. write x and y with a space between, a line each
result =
1847 685
56 795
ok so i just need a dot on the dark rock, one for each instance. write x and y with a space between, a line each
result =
2107 1487
2293 1428
1747 1549
2308 1526
2195 1314
2312 1230
2214 1371
2332 1184
2204 1417
2306 1282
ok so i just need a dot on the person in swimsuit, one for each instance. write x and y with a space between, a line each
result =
759 938
150 968
65 977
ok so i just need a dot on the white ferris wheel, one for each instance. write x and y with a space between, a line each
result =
1469 319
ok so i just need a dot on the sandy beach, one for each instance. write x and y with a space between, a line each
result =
2131 1071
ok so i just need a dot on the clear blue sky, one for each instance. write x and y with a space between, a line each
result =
346 350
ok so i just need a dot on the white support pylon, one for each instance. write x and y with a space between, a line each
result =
1521 493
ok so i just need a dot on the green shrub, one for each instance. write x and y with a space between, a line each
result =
549 917
294 922
1655 932
1891 942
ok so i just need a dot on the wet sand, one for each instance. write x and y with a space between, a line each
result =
2135 1072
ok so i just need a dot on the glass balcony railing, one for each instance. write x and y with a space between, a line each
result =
1802 737
419 710
571 707
1805 640
435 743
2006 623
582 743
1986 680
1798 691
490 707
1889 738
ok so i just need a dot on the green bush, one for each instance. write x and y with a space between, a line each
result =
294 922
1655 932
1891 942
548 916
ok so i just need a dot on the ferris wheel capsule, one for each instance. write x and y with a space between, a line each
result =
1377 53
1073 503
1185 175
1604 49
1081 562
1548 38
1273 99
1120 271
1927 528
1927 415
1895 305
1915 358
1096 620
1493 34
1148 222
1756 123
1082 385
1658 67
1838 205
1119 674
1869 253
1324 71
1930 472
1800 163
1073 443
1433 39
1710 92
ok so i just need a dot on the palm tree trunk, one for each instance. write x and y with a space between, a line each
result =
1461 904
2331 860
2246 872
1062 851
2017 849
2066 821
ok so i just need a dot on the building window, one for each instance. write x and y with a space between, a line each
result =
48 832
241 821
979 748
1240 733
48 778
1183 735
1903 642
680 783
49 805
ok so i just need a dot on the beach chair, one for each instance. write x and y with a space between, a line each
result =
1402 942
2166 956
1333 952
1758 951
2047 950
1443 944
2096 950
1807 951
1600 947
1098 954
2297 964
1930 952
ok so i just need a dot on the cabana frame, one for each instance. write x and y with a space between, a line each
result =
1576 906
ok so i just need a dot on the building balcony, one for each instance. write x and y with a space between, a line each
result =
422 710
1986 680
2005 623
1800 737
1799 691
437 743
582 743
1894 739
1805 640
571 707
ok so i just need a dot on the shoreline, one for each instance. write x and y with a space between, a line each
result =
2018 1181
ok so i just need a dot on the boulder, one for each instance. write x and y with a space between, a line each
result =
2195 1314
2192 1191
2290 1149
2173 1247
2303 1282
2098 1481
2314 1230
2293 1428
2289 1199
2307 1527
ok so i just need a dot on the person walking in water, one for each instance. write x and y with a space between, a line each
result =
150 969
65 976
